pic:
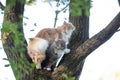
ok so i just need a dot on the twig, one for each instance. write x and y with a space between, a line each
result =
56 16
57 12
64 7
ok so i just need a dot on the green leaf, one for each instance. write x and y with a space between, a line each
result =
32 65
21 16
5 26
5 59
7 65
29 2
65 75
26 71
32 30
77 7
12 2
71 78
31 39
87 12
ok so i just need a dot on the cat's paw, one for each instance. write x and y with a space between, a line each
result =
47 68
38 67
67 51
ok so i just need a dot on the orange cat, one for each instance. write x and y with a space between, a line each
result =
36 50
62 32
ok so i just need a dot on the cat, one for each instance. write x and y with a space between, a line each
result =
37 50
54 52
63 32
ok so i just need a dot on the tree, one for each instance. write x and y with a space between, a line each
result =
81 46
13 39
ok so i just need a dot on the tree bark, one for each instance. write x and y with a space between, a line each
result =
13 39
91 44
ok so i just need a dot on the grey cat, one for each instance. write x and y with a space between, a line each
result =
55 53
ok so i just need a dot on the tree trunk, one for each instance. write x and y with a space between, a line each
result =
80 35
13 39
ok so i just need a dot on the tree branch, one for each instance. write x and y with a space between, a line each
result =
70 61
93 43
2 7
64 7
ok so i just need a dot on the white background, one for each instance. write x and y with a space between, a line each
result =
102 64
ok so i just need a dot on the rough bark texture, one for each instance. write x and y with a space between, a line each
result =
11 31
80 35
91 44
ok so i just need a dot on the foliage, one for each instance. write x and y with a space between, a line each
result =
31 39
77 7
59 7
12 2
17 48
67 77
80 7
13 41
29 2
